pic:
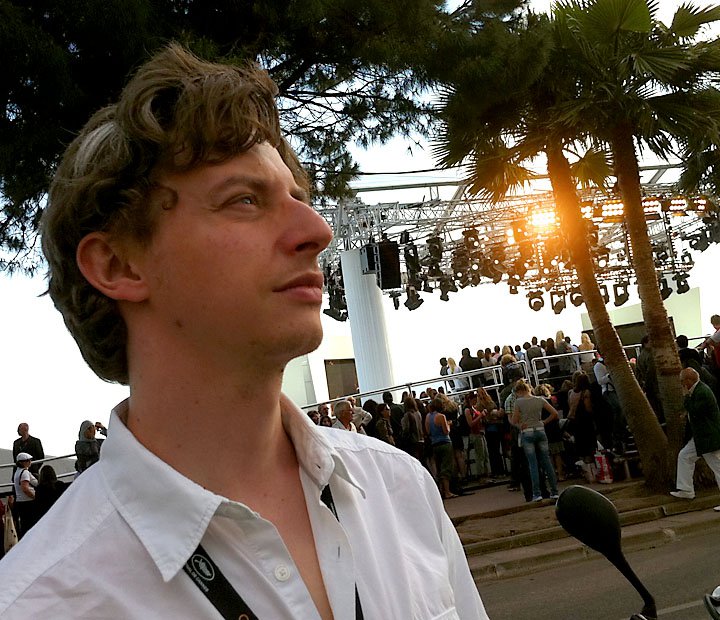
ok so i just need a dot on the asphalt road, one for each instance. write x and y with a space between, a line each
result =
678 574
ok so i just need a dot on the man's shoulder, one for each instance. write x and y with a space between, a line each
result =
60 539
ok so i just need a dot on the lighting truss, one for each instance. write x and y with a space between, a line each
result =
519 241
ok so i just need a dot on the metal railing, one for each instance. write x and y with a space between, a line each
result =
490 378
9 485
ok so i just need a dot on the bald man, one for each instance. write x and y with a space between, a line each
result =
704 423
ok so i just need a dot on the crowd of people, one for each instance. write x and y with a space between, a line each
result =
35 485
499 415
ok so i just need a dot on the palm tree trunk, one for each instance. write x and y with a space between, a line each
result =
662 340
649 437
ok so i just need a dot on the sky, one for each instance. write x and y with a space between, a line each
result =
45 382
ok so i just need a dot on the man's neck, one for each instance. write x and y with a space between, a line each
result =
209 426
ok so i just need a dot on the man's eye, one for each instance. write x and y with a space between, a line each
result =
245 199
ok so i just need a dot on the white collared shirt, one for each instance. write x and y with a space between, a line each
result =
115 543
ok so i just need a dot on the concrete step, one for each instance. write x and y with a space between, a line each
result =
520 560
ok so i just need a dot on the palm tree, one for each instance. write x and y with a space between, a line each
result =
498 116
640 83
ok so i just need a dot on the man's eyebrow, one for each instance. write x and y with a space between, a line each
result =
254 183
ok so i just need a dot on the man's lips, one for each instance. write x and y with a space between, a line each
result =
308 280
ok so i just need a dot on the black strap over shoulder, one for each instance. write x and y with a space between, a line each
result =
208 577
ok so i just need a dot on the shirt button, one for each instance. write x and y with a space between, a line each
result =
282 572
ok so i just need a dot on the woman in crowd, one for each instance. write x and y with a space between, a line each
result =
587 357
582 424
437 428
553 362
494 431
453 369
24 483
325 420
383 427
459 431
370 406
48 491
527 415
553 432
566 364
412 427
87 448
475 418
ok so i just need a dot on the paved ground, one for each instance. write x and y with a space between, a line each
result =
505 536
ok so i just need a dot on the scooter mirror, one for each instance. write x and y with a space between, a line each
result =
593 519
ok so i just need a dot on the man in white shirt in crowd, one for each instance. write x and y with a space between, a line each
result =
343 416
182 254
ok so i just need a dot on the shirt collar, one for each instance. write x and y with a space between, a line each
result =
168 512
692 387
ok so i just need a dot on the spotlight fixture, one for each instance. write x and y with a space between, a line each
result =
557 301
413 301
665 290
576 298
604 293
435 249
334 313
513 283
395 296
412 260
700 241
687 259
447 286
620 292
405 237
535 300
682 285
471 238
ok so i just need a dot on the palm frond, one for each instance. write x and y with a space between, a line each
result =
689 18
593 168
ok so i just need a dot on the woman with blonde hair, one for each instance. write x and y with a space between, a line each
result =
453 369
527 415
587 359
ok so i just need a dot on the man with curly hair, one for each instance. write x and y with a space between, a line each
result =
182 253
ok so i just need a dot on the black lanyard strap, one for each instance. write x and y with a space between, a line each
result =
208 577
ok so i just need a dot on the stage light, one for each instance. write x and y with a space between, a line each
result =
471 238
576 298
665 290
447 286
405 237
414 301
604 293
334 313
557 301
435 249
395 296
687 259
412 260
535 300
700 241
513 283
682 285
620 292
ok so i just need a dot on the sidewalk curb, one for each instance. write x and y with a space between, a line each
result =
510 562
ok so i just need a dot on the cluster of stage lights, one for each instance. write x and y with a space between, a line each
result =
529 252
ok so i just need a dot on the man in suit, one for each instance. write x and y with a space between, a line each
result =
27 443
704 423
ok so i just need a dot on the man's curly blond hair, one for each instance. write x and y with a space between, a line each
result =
176 113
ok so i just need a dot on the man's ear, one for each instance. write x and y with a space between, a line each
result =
106 266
